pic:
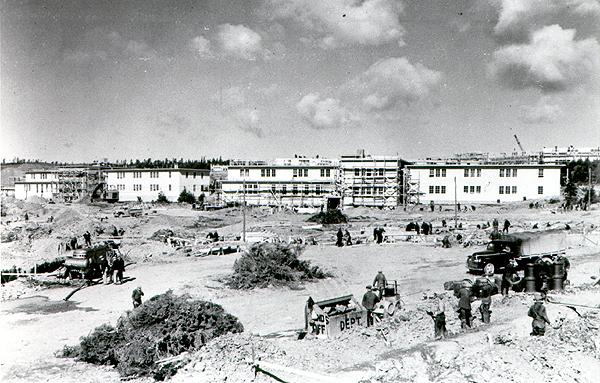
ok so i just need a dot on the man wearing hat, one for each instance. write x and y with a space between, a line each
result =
370 299
437 313
538 312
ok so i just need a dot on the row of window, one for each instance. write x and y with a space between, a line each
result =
317 189
474 173
507 172
437 189
368 191
43 176
268 172
366 172
437 172
153 174
471 189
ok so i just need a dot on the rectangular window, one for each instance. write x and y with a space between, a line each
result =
443 189
478 190
437 172
306 189
443 172
194 188
431 172
514 189
356 190
356 172
437 189
305 172
318 189
472 172
472 189
478 172
508 172
169 187
507 189
295 172
514 172
466 172
540 173
501 172
273 174
322 172
262 172
194 174
169 174
283 189
540 190
430 189
241 172
465 189
501 191
295 189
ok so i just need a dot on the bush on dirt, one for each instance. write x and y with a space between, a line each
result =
163 327
272 264
162 198
330 217
186 197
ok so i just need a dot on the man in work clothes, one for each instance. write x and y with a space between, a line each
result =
506 226
340 238
464 306
538 312
136 296
379 283
370 299
439 316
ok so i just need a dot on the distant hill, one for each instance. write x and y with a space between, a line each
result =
11 172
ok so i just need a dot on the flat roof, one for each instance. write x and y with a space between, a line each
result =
475 165
156 170
280 166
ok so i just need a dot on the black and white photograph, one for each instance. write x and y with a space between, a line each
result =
300 191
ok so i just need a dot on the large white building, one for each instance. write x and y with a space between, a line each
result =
291 182
146 184
42 183
483 183
558 155
368 180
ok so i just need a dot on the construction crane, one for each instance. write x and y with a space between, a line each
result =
519 143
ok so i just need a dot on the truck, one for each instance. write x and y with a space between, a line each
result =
522 248
128 212
86 263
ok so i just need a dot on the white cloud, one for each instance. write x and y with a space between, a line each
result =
394 80
321 113
518 17
100 44
201 46
345 22
545 111
239 41
552 60
249 121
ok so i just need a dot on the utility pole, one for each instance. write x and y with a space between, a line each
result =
590 187
244 212
455 206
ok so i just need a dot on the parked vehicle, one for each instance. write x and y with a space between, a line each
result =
524 248
128 212
85 263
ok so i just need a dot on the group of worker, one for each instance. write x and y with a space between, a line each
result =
343 238
112 267
437 309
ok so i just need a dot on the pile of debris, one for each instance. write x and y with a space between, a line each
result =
272 264
330 217
155 338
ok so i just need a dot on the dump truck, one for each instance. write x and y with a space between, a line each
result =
390 300
86 263
523 248
331 317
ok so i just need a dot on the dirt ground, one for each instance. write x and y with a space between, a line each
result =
36 322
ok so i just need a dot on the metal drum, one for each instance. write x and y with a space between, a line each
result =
558 275
529 278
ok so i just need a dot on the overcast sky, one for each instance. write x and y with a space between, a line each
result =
85 80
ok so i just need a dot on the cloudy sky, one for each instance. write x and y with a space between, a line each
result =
83 80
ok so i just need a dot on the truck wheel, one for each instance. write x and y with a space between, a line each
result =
398 305
391 308
489 269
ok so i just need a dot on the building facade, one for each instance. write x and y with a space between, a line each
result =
482 183
41 183
290 182
372 181
146 184
558 155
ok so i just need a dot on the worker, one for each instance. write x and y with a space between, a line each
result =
446 242
119 267
26 217
340 238
495 235
73 243
438 315
464 305
432 205
495 223
507 277
308 309
379 283
486 302
506 226
348 238
88 238
444 223
111 268
425 228
370 299
538 312
104 269
136 296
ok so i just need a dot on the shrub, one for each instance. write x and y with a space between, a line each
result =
162 198
330 217
186 197
272 264
164 326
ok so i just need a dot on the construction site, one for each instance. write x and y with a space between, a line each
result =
310 327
